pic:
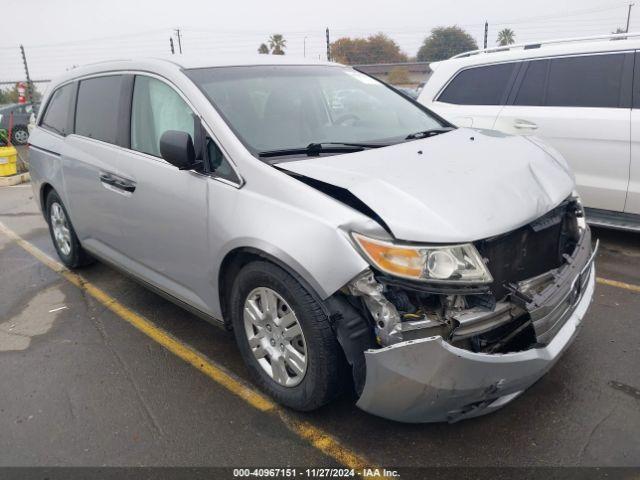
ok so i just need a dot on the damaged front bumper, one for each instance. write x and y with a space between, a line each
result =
430 380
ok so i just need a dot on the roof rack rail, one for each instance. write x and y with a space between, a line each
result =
527 46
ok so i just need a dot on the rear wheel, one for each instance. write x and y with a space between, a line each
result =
63 235
285 338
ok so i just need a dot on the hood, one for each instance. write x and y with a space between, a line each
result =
460 186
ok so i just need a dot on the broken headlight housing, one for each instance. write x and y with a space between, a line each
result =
428 263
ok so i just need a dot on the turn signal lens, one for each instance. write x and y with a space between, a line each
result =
401 261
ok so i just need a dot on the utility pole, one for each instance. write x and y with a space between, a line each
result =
26 71
486 33
171 45
304 47
629 17
177 30
328 47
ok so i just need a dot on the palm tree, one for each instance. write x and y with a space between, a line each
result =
277 44
506 36
263 49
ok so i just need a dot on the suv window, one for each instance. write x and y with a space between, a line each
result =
97 108
531 90
479 85
56 118
156 108
585 81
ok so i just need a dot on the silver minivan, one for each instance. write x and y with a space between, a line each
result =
352 239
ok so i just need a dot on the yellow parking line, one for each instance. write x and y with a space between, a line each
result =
615 283
315 436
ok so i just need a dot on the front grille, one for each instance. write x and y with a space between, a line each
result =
531 250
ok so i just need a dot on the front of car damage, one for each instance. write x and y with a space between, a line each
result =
481 281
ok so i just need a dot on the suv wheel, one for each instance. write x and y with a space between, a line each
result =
20 135
285 338
63 235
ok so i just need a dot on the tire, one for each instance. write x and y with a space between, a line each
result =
20 135
68 246
323 378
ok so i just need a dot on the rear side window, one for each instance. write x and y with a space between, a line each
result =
479 85
531 90
586 81
97 108
56 118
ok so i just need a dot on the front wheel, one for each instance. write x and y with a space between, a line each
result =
285 338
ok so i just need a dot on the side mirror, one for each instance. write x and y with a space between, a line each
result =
177 149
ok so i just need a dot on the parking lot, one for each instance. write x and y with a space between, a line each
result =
97 370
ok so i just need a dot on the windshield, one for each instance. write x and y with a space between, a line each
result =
284 107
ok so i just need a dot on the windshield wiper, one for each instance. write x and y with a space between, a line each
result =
315 149
428 133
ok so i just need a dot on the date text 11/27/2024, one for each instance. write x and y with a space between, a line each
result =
314 473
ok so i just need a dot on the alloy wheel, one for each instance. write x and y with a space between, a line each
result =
60 227
275 336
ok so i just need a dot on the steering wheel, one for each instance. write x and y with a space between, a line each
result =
347 117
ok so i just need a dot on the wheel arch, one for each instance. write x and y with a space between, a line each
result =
238 257
45 189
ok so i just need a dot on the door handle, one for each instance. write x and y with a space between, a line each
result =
524 125
107 178
118 182
126 185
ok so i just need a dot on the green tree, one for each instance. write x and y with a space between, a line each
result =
377 48
263 49
277 43
506 36
445 42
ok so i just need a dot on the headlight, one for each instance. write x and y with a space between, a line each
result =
429 263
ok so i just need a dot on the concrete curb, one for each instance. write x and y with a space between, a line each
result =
14 179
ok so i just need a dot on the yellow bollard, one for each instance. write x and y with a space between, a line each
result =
8 161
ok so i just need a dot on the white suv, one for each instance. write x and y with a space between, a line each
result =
579 95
